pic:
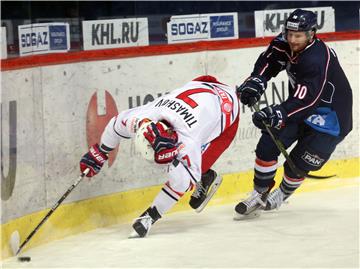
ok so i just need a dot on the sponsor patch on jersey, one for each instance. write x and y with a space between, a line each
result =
312 159
226 107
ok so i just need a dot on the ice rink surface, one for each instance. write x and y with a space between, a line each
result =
314 230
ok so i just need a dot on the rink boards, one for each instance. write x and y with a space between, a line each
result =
51 113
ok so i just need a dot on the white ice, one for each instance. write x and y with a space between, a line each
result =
314 230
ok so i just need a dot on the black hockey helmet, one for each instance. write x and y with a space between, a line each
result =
301 20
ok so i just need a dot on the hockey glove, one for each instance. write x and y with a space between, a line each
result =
251 90
273 116
164 142
94 160
165 156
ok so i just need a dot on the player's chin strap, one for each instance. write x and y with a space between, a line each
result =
282 149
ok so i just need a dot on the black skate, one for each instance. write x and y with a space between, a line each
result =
203 193
142 224
252 206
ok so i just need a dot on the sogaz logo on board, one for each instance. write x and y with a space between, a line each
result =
197 27
222 26
43 38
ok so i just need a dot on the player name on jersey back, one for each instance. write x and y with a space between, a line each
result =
180 109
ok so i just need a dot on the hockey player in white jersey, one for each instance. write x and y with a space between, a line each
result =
187 129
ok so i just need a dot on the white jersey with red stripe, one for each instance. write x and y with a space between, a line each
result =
199 112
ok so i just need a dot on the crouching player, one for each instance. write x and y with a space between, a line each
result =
187 129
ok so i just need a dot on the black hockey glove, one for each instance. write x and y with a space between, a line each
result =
273 116
251 90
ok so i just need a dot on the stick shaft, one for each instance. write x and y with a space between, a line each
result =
51 211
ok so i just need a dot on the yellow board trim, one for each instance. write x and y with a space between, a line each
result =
86 215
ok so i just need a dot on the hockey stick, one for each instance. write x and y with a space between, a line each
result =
282 149
55 206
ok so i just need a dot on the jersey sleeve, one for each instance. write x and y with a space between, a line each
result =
111 136
271 61
310 80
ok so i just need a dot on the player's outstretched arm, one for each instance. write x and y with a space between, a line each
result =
251 90
268 65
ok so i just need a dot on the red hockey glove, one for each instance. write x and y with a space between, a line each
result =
163 141
93 160
159 138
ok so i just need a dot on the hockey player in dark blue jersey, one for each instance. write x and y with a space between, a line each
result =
317 114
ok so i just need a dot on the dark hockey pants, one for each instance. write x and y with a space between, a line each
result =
312 151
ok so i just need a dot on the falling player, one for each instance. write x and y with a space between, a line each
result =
188 129
317 114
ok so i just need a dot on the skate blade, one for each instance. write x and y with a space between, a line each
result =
133 235
253 215
214 188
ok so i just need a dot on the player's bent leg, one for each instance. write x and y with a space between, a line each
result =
210 180
205 190
169 195
264 173
289 184
310 154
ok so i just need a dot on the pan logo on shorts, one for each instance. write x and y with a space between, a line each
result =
312 159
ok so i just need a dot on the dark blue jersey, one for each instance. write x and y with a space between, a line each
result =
316 79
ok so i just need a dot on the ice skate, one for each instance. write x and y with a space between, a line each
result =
205 190
251 207
274 199
142 224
